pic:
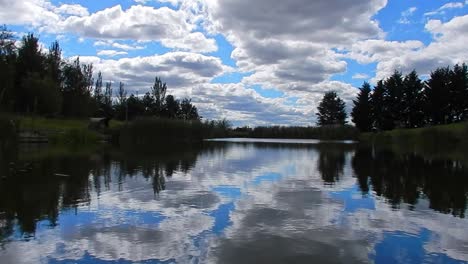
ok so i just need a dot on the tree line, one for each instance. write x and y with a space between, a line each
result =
43 83
408 102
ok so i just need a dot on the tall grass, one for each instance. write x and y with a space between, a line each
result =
325 132
437 141
148 133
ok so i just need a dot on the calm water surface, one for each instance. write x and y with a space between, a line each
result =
233 202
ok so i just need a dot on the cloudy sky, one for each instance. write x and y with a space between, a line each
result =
253 62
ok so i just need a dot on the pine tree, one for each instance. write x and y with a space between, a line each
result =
331 110
458 89
30 64
393 101
361 113
437 97
377 106
413 111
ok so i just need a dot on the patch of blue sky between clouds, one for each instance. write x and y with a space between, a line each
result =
95 6
353 68
224 51
230 77
399 26
267 93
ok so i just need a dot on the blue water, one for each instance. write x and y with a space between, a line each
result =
237 203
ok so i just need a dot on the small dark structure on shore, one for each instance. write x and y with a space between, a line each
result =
97 123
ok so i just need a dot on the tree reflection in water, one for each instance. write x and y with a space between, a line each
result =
406 178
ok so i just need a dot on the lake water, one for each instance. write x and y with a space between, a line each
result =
233 202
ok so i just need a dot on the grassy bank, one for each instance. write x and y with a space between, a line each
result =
61 131
445 140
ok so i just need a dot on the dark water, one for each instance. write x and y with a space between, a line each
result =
233 203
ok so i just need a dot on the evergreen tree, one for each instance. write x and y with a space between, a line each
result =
437 97
361 113
331 110
458 89
30 64
413 108
377 106
393 101
54 63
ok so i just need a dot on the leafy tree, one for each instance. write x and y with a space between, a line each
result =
45 94
188 111
171 107
77 86
149 104
331 110
135 107
437 97
413 108
361 113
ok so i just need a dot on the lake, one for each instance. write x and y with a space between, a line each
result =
233 202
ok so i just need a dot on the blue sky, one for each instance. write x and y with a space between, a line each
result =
252 63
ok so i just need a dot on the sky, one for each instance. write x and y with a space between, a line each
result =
260 62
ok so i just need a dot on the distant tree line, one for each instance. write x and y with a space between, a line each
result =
41 82
408 102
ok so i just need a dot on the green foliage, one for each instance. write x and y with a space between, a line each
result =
458 89
378 107
413 103
77 101
44 93
362 112
152 132
393 99
331 110
158 91
435 140
437 97
398 102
